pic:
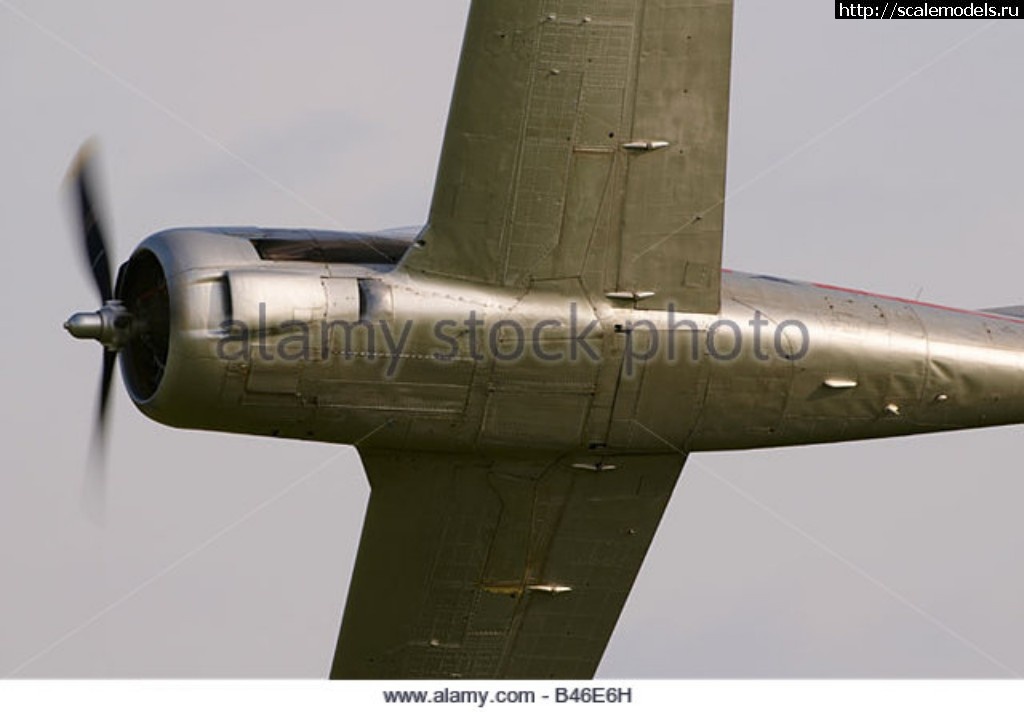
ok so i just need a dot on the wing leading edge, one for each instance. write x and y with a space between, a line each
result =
587 140
476 567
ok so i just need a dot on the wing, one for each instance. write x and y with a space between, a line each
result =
587 140
472 567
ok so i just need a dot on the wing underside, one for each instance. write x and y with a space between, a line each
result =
477 567
587 141
586 147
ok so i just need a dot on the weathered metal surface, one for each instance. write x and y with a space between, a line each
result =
489 566
587 140
524 384
583 378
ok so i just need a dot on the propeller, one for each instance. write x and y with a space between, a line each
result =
93 240
111 324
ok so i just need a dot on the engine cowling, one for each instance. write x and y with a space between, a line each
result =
206 309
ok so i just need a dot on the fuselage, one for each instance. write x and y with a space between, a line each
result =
373 355
874 366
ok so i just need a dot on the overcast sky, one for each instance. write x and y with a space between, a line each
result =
880 155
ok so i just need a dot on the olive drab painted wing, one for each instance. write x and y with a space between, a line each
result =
587 141
477 567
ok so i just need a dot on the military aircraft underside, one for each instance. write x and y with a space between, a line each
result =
525 375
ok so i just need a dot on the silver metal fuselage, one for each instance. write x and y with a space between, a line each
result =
381 357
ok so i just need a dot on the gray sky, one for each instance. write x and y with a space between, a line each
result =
886 156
